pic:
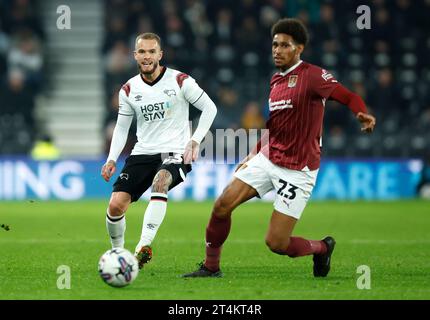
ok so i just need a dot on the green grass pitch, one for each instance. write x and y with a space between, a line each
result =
392 238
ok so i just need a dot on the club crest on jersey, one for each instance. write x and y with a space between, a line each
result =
170 92
292 81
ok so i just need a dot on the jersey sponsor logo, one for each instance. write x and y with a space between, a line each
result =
170 92
292 81
327 76
281 104
155 111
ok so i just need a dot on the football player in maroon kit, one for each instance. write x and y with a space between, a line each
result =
289 162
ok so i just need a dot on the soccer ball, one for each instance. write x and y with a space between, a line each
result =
118 267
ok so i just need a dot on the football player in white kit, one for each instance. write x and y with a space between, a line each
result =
159 97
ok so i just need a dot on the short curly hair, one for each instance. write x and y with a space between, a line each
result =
293 27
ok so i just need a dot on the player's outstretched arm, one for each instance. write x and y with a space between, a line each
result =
209 111
199 99
357 105
119 138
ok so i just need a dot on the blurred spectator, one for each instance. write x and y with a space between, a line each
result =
176 51
25 54
118 64
310 7
252 117
195 15
17 97
21 18
143 24
45 149
335 143
423 124
268 17
244 41
326 28
116 32
223 27
337 118
385 99
382 26
229 113
16 119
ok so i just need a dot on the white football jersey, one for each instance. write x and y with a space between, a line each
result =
161 109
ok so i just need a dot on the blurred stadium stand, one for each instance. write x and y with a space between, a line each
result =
73 104
226 47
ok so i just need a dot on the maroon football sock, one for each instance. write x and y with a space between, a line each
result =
301 247
216 233
212 258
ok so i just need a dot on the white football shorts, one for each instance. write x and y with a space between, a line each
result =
293 187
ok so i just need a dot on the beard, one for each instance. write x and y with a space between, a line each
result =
146 72
284 64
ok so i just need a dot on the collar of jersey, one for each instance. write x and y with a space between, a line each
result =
291 68
163 71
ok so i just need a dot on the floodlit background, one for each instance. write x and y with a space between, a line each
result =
58 99
60 86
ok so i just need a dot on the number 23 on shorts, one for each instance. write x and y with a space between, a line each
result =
287 190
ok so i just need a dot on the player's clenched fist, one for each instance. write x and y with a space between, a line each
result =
108 170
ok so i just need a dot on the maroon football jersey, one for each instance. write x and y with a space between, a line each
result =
296 103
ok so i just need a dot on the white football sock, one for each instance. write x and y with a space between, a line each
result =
153 218
116 229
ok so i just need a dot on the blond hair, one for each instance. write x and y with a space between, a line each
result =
148 36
